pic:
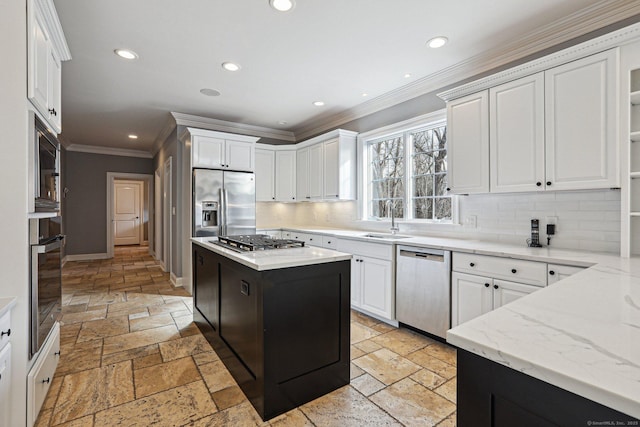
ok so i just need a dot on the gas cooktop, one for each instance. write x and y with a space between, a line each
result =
255 242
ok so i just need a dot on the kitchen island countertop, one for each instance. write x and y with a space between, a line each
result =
274 259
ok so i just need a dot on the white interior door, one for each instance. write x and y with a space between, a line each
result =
127 212
167 212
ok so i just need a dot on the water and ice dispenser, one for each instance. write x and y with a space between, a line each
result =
209 214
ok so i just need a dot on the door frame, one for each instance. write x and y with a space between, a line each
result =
139 185
157 215
167 202
111 177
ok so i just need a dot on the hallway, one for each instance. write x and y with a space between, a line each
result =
131 356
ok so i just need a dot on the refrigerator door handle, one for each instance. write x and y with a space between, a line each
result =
223 213
225 209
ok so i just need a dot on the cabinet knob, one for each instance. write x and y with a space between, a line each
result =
448 189
514 271
57 353
308 197
486 285
471 264
293 198
495 286
7 333
51 110
273 198
548 182
46 381
328 242
551 272
538 183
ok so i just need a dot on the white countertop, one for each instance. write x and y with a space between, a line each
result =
581 334
271 260
6 304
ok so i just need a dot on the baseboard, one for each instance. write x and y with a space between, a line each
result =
177 281
85 257
161 262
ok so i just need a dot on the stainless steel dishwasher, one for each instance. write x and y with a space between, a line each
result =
423 289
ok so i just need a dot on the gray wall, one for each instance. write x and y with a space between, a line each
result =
85 205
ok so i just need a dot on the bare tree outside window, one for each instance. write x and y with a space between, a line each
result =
417 190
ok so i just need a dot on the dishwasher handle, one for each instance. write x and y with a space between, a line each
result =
427 256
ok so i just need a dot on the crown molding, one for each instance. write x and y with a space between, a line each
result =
169 126
50 16
595 17
599 44
109 151
232 127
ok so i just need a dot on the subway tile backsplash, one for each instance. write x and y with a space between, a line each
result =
586 220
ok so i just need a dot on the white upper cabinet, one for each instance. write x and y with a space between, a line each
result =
581 117
265 174
302 174
468 143
315 171
218 150
46 49
516 135
285 176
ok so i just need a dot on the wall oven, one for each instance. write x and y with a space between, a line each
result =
46 168
46 278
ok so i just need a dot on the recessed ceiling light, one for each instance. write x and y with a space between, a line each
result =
437 42
132 136
282 5
365 94
126 53
209 92
407 75
318 103
230 66
282 122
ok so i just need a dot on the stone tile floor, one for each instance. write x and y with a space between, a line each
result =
131 356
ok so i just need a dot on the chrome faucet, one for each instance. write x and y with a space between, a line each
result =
394 228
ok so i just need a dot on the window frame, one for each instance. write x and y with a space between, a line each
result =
404 129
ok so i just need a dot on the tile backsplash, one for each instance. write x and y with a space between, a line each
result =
586 220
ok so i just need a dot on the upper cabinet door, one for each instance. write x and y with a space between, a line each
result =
302 174
54 89
468 143
286 176
208 152
331 169
40 46
265 174
240 155
315 171
581 116
516 135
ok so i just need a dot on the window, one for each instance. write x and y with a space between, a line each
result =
407 172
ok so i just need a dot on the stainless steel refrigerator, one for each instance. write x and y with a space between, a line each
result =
224 203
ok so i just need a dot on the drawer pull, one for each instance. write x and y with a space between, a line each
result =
471 264
552 272
495 286
486 285
46 381
57 353
538 183
7 333
514 271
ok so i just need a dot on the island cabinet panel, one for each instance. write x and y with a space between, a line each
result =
493 395
283 334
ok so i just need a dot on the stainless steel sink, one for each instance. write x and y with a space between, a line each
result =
385 236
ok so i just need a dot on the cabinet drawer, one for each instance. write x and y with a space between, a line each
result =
5 329
312 239
558 272
330 242
41 374
358 247
515 270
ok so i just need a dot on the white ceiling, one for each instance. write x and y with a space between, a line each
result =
329 50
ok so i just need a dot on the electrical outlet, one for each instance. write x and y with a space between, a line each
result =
470 221
552 220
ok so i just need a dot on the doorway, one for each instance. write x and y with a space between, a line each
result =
157 216
123 223
167 215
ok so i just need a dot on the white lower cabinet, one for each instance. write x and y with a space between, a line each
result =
372 286
473 296
41 374
5 385
557 272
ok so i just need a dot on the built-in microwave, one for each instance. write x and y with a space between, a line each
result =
46 168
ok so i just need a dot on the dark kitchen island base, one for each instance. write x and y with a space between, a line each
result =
493 395
283 334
